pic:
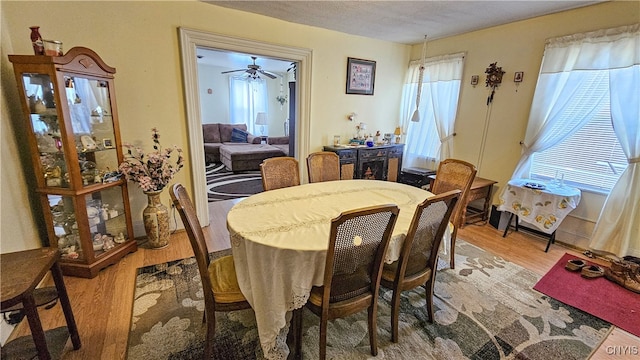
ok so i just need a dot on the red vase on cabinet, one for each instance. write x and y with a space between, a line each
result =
36 41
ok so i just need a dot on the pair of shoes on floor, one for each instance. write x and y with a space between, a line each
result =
586 271
624 273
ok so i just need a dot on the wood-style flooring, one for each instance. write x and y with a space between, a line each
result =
102 305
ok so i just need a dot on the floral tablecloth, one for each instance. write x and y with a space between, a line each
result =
544 205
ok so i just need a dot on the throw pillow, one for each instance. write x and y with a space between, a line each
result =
239 136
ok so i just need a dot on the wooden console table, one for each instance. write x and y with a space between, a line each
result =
21 273
480 190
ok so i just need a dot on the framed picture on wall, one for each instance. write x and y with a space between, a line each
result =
361 76
518 76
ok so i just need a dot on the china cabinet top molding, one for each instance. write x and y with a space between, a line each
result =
79 59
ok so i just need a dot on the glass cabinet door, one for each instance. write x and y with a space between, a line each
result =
92 123
46 128
107 220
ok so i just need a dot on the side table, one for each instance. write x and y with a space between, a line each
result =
20 274
481 188
540 204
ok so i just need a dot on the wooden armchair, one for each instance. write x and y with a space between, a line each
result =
357 244
323 166
419 255
219 282
279 172
454 174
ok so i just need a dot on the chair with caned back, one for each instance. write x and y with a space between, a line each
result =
323 166
454 174
418 260
219 282
357 244
279 172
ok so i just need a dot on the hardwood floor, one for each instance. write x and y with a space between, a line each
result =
103 305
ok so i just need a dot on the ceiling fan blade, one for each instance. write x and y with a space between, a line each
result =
268 74
230 71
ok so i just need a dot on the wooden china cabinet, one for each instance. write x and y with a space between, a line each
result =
71 116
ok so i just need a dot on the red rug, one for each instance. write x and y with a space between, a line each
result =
599 297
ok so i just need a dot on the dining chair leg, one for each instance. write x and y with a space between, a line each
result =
373 328
323 337
429 294
395 311
208 346
295 332
454 234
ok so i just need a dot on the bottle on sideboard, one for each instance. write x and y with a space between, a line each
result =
36 41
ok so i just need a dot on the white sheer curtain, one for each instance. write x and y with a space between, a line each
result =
248 97
617 231
431 136
570 62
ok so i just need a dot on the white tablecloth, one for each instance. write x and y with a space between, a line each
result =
279 240
544 208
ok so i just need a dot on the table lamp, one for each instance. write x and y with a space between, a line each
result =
397 132
261 119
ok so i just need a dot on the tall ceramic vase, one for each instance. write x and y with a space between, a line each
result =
156 221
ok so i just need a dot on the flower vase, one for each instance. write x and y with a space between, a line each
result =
156 221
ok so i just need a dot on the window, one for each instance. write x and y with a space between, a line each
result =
429 140
591 158
248 97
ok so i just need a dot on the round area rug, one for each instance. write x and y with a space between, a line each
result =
223 184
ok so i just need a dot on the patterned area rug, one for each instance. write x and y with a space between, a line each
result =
223 184
485 309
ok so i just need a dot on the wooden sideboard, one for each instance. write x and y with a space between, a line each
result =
382 162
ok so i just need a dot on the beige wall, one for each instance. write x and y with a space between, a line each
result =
140 40
519 47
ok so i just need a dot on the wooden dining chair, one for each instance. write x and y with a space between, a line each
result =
418 260
219 282
323 166
453 174
279 172
357 244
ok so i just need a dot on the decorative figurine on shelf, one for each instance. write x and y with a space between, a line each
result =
107 242
97 242
119 239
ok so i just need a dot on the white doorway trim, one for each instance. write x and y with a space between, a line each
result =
191 39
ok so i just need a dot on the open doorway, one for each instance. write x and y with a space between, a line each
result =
235 87
190 42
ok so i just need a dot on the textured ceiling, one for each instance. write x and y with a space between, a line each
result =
405 22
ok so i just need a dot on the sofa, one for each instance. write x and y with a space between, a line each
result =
214 135
237 149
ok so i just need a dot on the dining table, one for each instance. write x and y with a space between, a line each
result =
279 240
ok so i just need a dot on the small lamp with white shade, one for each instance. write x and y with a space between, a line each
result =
261 119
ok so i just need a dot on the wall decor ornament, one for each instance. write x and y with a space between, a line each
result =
494 79
361 76
517 78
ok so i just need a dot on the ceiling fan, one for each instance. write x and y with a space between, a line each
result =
254 71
